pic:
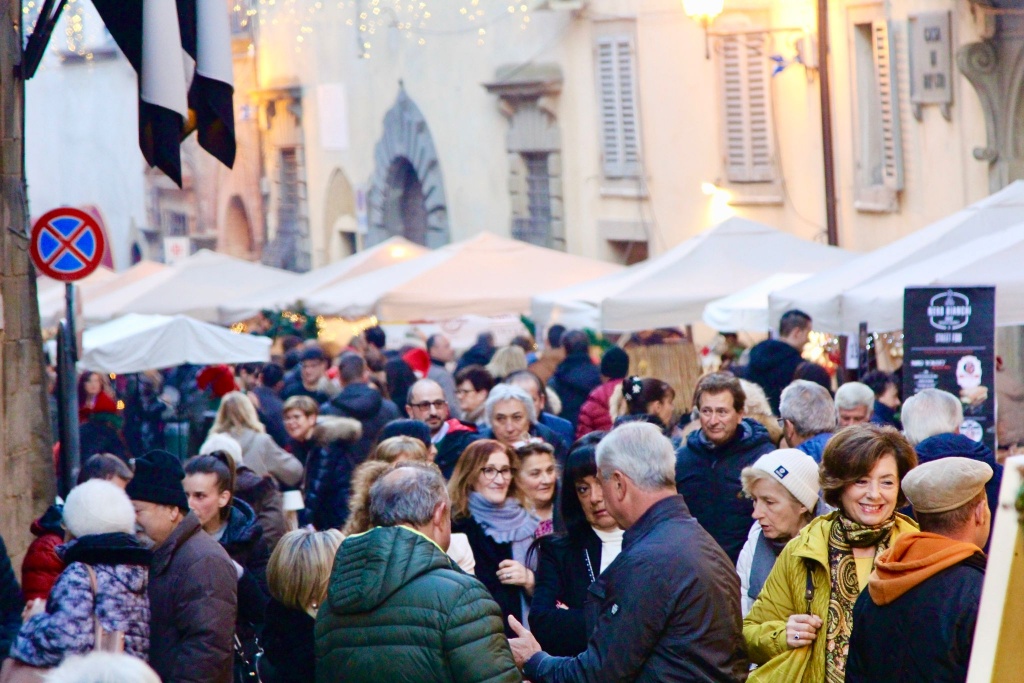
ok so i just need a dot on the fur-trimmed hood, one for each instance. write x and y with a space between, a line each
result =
331 429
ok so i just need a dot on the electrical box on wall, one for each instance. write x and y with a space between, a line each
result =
807 49
931 62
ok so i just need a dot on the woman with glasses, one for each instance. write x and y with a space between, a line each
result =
485 507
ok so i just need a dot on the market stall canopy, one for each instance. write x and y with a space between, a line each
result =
823 296
672 289
483 275
389 252
194 286
134 343
993 260
51 302
747 309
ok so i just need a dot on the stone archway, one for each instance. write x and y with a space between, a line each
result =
236 239
407 189
339 217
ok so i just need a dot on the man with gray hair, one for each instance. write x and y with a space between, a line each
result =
931 422
809 417
512 419
667 608
854 403
397 608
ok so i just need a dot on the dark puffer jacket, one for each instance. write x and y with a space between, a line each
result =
287 646
42 566
772 365
243 541
458 437
574 379
264 497
398 609
656 613
192 600
708 476
329 467
364 403
121 565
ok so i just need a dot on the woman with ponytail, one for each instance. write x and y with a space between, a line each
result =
649 400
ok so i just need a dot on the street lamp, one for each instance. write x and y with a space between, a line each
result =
703 12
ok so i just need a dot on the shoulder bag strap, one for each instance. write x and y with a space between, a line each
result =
809 591
106 641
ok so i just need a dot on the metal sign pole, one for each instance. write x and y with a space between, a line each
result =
67 352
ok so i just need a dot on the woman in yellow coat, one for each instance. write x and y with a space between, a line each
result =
799 627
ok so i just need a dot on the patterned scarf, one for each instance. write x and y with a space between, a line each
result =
843 537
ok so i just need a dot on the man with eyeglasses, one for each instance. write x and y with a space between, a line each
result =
708 465
426 403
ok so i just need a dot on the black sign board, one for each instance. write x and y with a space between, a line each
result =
949 344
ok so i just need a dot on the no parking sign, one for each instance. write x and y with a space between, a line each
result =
67 244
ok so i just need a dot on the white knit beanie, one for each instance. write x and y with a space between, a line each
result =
222 442
98 507
795 470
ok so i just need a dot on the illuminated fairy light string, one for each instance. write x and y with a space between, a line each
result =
418 21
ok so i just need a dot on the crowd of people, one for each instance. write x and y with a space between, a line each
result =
400 514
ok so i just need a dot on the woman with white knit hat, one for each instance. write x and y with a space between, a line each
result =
784 487
103 589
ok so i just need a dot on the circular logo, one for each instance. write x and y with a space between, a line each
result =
972 430
949 311
66 244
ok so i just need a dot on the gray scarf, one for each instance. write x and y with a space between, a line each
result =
505 523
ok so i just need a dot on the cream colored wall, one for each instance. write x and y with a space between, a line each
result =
679 109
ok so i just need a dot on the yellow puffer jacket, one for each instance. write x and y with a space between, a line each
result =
784 594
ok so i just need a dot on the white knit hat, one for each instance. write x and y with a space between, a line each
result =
222 442
98 507
795 470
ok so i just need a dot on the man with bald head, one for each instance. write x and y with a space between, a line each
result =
426 402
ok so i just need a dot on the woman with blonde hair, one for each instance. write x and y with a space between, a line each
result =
237 418
506 360
398 449
297 574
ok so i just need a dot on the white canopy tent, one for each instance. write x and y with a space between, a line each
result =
747 309
389 252
194 286
484 275
993 260
673 288
824 296
135 343
51 302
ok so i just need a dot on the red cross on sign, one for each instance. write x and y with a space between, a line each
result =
67 244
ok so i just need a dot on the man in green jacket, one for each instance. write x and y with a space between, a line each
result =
398 609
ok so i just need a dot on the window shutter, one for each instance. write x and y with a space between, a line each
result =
749 153
888 100
620 125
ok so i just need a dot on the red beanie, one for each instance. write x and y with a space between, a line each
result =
418 360
218 378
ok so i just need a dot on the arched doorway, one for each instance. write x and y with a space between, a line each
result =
237 237
407 189
341 236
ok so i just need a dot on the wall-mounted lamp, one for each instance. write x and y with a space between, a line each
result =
704 12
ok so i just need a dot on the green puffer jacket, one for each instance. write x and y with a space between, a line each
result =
399 610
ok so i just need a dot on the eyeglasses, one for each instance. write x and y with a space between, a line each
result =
426 405
491 473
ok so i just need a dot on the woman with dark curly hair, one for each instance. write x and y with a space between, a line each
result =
799 627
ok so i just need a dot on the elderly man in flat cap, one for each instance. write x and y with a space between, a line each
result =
916 620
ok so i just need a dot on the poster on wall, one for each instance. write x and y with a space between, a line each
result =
949 344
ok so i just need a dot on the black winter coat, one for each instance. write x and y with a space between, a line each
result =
329 467
363 403
488 554
660 613
566 567
265 498
11 603
287 646
924 635
243 541
574 379
192 602
708 476
772 365
460 435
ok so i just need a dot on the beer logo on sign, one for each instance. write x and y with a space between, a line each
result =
949 311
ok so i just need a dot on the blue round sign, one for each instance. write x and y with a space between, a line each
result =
67 244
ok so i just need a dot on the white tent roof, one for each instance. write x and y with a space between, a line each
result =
747 309
483 275
673 288
135 343
51 302
194 286
823 296
993 260
389 252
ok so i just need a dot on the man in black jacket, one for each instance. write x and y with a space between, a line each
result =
655 614
773 362
916 620
426 403
360 401
576 376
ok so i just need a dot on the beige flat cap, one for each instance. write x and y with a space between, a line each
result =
945 484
